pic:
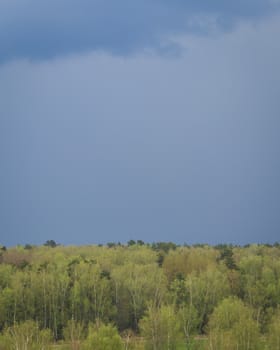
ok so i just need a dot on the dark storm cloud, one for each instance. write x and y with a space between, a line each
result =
38 29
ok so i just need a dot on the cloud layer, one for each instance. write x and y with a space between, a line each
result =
97 147
38 29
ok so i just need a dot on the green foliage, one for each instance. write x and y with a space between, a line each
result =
232 327
103 337
205 291
50 243
67 288
161 328
260 282
74 334
136 286
164 246
273 335
111 244
226 255
189 321
184 261
27 336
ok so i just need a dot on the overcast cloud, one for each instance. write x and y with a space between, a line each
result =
39 29
98 147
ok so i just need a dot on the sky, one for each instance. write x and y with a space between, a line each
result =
155 120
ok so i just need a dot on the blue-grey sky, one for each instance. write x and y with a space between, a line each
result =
155 120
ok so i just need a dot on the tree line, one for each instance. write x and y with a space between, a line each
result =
140 296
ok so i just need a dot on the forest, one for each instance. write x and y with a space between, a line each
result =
140 296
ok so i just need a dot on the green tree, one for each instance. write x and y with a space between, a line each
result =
27 336
227 256
189 321
231 327
273 335
260 277
205 291
91 294
103 337
50 243
136 286
161 328
74 333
